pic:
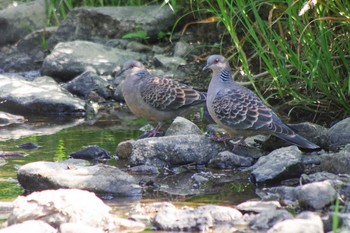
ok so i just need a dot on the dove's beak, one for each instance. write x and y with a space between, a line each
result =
205 68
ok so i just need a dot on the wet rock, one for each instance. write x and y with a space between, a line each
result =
313 132
28 146
182 126
16 22
144 170
30 226
339 135
304 222
229 160
268 218
319 176
337 163
124 149
12 154
41 96
93 152
316 195
84 56
174 150
8 119
57 207
285 194
101 179
279 164
170 63
258 206
89 23
89 82
170 218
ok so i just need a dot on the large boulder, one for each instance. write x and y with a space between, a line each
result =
69 206
101 179
89 23
70 59
339 135
43 96
16 22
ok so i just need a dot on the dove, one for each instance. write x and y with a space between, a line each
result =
239 111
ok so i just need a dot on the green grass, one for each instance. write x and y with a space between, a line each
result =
301 60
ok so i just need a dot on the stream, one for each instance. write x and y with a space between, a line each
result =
58 138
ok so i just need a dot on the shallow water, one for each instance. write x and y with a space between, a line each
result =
107 133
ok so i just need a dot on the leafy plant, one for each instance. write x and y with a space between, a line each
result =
302 60
133 35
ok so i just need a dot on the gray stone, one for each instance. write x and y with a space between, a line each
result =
88 23
138 47
182 126
339 134
258 206
144 170
316 195
41 96
311 223
320 176
16 22
8 119
313 132
89 82
57 207
174 150
229 160
285 194
336 163
202 218
267 219
30 226
171 63
101 179
84 56
124 149
279 164
182 48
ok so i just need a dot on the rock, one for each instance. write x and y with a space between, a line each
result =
285 194
279 164
8 119
84 56
268 218
169 218
41 96
12 154
16 22
182 48
258 206
171 63
138 47
229 160
62 206
320 176
93 152
78 227
144 170
5 209
89 82
174 150
101 179
88 23
182 126
28 146
339 134
316 195
337 163
313 132
305 222
30 226
124 149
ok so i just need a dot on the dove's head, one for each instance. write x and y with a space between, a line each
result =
131 66
216 63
